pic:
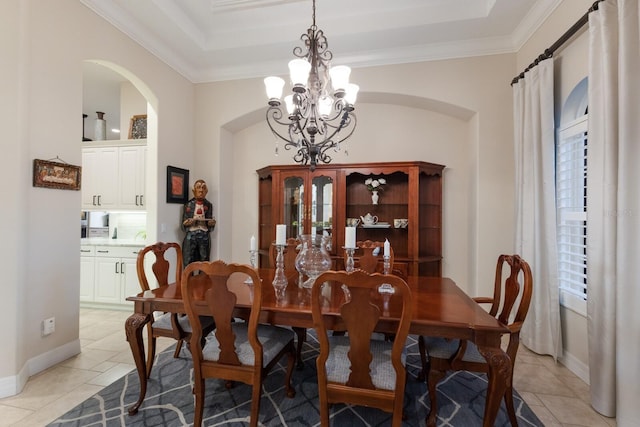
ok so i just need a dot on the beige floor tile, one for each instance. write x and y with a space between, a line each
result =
572 410
89 359
535 378
53 410
545 416
48 386
11 415
111 375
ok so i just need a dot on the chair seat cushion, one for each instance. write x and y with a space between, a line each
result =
442 348
272 338
383 375
164 322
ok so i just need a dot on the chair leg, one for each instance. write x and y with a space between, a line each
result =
176 353
302 337
151 349
422 376
508 400
198 401
255 403
434 378
291 360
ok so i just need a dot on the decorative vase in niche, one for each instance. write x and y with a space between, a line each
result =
374 197
100 133
313 258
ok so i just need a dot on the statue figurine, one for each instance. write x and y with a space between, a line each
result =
197 222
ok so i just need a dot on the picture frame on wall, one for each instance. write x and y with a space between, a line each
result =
62 176
138 127
177 185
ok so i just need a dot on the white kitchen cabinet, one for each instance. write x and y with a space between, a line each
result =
115 276
132 164
87 272
99 177
113 177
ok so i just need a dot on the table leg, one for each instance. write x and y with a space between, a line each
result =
133 328
499 377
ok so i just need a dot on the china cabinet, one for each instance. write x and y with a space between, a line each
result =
322 201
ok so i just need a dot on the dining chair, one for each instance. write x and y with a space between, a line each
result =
355 368
290 253
369 256
235 350
509 304
169 325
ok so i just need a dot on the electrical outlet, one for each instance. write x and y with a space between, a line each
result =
48 326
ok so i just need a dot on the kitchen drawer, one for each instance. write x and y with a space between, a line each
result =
87 250
118 251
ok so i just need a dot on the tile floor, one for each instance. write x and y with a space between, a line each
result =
556 395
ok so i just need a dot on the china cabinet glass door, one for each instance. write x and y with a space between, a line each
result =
293 209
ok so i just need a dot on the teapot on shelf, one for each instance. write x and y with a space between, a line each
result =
369 219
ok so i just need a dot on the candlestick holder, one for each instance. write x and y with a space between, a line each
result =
386 288
253 258
349 264
279 279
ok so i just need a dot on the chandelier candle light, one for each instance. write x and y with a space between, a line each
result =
316 121
349 246
279 279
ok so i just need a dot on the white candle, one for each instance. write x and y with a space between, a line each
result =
349 237
281 234
252 243
387 248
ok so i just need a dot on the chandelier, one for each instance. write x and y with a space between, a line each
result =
316 121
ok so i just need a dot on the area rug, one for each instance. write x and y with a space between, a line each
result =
169 401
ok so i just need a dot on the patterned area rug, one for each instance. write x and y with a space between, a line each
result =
169 402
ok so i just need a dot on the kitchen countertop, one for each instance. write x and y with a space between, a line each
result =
99 241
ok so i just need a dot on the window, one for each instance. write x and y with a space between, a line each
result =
571 201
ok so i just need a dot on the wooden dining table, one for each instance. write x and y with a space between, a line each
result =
440 309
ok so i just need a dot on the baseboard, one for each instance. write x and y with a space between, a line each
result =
10 386
576 366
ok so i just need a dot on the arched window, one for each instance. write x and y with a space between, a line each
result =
571 199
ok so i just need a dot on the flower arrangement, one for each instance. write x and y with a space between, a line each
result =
375 184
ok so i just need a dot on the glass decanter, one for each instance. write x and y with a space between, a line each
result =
313 259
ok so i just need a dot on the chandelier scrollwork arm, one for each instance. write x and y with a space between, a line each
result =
316 120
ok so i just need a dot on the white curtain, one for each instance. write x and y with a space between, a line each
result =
535 238
613 211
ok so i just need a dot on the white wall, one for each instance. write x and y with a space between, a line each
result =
45 44
443 112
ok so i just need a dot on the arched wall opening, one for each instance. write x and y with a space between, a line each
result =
391 127
151 169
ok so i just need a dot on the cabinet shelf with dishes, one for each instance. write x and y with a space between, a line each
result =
412 194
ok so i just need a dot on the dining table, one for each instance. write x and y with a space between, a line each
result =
440 309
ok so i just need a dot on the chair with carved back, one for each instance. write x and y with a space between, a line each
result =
290 253
509 304
241 351
291 249
356 368
169 325
369 256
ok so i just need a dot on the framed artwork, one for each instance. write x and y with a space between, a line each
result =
177 185
50 174
138 127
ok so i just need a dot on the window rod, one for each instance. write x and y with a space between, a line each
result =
548 53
